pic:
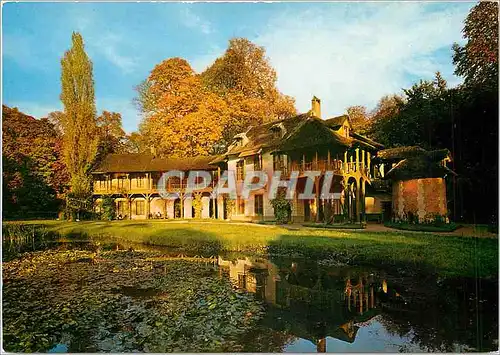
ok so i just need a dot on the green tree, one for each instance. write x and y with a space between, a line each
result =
414 118
81 136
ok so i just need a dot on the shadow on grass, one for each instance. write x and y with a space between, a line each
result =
447 256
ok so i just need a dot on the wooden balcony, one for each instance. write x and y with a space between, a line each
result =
336 166
126 188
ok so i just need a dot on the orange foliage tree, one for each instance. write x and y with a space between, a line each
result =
186 119
186 114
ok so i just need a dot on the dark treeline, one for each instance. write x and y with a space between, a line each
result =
34 176
462 119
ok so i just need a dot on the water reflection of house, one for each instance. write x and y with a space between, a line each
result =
308 302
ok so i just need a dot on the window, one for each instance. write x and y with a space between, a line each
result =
139 207
259 205
242 281
240 169
257 163
240 206
278 131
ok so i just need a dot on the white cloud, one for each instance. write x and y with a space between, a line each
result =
193 20
348 57
110 45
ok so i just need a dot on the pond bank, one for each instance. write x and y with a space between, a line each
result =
444 255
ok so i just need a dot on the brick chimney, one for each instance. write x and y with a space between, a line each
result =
316 107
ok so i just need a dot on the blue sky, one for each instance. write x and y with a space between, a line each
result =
344 53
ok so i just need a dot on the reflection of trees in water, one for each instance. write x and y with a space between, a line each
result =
449 318
313 302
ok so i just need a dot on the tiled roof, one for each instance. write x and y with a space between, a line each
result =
114 163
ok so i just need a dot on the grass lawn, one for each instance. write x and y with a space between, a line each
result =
446 255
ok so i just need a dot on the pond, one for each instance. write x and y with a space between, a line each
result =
91 297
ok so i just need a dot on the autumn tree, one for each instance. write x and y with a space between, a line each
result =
111 133
34 176
246 81
79 124
477 60
236 91
133 143
187 119
359 118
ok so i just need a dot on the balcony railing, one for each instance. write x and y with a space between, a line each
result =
153 187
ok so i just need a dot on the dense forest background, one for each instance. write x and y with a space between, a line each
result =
47 160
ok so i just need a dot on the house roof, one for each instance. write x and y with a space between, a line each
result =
262 136
300 131
367 140
418 168
336 122
313 132
400 153
116 163
415 163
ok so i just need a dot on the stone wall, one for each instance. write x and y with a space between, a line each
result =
424 198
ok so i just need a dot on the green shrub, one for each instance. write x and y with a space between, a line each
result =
197 205
282 207
107 208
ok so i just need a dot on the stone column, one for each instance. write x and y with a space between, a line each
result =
357 159
148 206
205 209
188 207
363 200
363 160
368 162
316 194
220 207
358 200
129 208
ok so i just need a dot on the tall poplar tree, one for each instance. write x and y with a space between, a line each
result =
79 119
